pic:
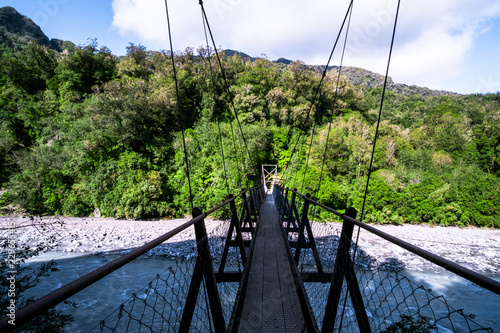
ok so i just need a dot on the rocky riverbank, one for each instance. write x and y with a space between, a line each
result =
94 235
477 249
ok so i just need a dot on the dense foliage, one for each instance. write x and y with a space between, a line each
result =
82 129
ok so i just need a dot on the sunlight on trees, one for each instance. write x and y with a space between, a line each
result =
83 129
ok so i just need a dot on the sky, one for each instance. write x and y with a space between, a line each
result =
451 45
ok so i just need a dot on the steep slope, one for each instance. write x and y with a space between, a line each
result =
17 30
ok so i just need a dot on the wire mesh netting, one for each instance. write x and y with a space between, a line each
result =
392 296
388 296
391 291
159 307
374 283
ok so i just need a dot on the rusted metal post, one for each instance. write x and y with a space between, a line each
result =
285 201
338 274
253 209
246 215
277 197
293 214
256 200
305 226
279 201
260 196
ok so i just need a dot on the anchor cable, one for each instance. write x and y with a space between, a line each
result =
374 144
380 112
308 156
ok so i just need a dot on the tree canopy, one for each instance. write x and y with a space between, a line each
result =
82 129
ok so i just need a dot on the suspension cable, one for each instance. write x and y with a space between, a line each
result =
217 110
236 151
308 155
334 102
322 77
294 162
380 111
224 77
328 134
179 107
331 116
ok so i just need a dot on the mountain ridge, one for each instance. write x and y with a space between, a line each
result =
16 29
360 77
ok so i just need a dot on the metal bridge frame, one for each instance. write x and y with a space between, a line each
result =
291 221
203 266
479 279
269 170
344 268
343 264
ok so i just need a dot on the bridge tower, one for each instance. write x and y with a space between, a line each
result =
269 175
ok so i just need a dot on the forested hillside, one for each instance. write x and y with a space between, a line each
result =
81 129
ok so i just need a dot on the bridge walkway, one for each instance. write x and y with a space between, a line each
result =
271 301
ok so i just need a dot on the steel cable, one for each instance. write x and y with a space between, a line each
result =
218 113
322 78
226 85
179 107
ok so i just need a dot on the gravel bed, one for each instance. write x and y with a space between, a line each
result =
475 248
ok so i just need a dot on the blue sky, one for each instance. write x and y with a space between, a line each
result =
451 45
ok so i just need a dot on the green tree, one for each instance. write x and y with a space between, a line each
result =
89 66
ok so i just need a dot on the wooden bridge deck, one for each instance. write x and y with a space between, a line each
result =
271 302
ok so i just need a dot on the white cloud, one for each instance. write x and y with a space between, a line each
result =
433 57
437 49
147 21
432 43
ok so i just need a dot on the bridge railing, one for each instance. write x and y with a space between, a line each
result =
196 292
352 288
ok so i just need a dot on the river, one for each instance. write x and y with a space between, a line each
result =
104 297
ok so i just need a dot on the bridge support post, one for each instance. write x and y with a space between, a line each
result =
293 215
283 207
301 239
246 215
277 198
257 199
203 269
344 268
305 226
235 224
281 202
284 194
253 210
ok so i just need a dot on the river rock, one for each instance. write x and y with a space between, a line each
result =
474 248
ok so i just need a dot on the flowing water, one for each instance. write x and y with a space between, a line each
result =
104 297
99 300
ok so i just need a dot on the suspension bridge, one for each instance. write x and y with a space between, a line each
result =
270 267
